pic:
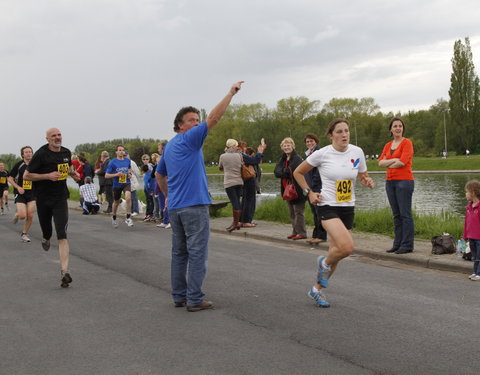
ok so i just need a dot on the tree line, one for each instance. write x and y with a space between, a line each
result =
450 125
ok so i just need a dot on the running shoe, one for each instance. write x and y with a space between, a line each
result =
168 226
472 275
318 297
129 222
323 273
161 225
45 244
475 278
66 280
114 223
15 219
24 237
134 214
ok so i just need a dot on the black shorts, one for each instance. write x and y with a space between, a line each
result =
117 192
24 198
3 188
344 213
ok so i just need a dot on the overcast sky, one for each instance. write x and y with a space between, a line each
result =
104 69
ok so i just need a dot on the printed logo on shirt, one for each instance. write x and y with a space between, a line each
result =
355 162
63 169
27 185
344 190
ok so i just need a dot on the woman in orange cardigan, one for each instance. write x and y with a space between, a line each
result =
397 157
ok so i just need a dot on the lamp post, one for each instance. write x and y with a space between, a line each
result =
445 130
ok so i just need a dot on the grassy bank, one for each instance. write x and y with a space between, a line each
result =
378 221
455 163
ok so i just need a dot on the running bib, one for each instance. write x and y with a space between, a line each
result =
344 190
63 168
27 185
122 179
3 180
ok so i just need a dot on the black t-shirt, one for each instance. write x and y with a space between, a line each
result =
17 173
3 180
46 161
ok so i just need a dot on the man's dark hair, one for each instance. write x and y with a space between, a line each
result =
116 148
311 136
179 117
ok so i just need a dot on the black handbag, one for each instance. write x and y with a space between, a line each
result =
444 244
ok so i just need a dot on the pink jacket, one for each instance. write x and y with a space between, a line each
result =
471 228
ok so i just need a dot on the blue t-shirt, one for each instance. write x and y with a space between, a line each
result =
183 163
148 182
123 166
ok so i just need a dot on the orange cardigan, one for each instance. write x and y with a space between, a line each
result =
404 152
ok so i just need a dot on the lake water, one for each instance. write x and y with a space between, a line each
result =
433 192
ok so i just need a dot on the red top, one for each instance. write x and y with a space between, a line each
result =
471 229
404 152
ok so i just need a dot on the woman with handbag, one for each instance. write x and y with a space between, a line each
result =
231 164
290 190
339 165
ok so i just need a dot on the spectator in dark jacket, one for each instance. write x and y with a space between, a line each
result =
288 162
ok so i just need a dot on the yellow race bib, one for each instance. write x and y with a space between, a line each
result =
122 179
344 191
27 185
3 180
63 168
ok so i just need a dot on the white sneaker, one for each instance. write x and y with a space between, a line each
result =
168 226
161 225
129 222
114 223
24 237
134 214
472 275
475 278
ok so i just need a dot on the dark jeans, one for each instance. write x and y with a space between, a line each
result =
475 249
248 200
109 196
149 208
234 193
399 193
318 231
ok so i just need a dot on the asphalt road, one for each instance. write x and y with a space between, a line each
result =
118 317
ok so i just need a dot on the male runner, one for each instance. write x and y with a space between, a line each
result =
49 168
3 188
120 170
23 190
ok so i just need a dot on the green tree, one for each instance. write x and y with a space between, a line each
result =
464 98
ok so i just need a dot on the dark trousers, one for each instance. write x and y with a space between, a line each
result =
234 193
109 196
248 201
318 231
149 208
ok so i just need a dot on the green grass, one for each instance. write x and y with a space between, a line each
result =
420 163
379 221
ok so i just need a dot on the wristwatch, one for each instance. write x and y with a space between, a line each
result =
306 191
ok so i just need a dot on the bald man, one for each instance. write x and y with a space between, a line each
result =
49 168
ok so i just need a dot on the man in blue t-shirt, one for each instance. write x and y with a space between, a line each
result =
182 178
120 170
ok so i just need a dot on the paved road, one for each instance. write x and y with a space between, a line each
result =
118 318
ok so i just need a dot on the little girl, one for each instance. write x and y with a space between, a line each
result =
471 230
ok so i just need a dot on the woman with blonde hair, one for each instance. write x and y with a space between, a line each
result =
284 169
231 164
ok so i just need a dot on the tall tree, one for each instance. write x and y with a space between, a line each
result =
464 98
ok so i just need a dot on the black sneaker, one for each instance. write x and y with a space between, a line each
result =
66 280
45 244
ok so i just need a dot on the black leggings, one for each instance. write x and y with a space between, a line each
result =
56 209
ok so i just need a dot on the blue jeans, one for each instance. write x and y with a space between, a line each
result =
249 201
190 233
134 201
475 249
399 193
